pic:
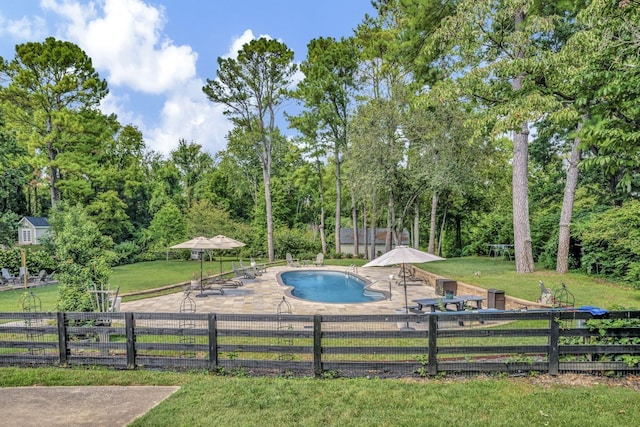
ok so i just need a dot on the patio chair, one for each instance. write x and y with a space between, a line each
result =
10 278
239 273
250 268
21 275
546 294
409 272
39 279
261 267
49 278
292 262
319 262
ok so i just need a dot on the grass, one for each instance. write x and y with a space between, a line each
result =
499 274
245 401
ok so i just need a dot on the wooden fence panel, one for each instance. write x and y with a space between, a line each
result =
555 341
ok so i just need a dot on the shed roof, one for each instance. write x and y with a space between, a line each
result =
37 221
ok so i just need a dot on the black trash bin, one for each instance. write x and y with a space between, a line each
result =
444 285
495 299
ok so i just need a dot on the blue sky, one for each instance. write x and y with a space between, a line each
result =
156 55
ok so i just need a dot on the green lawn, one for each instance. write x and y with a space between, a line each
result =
206 400
499 274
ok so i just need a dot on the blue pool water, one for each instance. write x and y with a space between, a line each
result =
328 286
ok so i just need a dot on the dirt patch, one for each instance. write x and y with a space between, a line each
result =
543 380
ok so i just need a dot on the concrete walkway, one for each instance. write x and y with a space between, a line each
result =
262 296
78 406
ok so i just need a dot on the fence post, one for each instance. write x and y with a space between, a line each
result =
432 360
213 342
62 338
317 345
554 338
131 341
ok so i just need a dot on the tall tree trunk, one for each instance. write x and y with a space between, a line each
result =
416 226
267 198
389 236
323 237
521 228
338 199
433 224
373 229
521 231
354 220
365 235
441 235
564 236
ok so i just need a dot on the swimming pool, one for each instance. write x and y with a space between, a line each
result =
328 286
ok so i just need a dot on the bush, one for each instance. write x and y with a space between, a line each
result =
295 241
37 259
126 253
611 243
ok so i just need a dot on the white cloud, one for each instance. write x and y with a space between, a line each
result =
188 114
23 29
125 38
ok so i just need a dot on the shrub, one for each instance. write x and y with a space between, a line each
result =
126 253
611 243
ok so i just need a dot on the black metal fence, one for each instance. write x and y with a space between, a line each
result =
553 341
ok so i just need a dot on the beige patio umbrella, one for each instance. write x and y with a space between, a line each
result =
403 255
201 244
223 242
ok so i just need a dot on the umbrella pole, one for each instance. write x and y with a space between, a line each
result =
406 302
201 285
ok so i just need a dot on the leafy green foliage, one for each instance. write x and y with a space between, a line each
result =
611 243
83 255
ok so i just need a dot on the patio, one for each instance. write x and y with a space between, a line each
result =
263 294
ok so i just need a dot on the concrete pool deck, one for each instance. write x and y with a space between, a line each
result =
263 294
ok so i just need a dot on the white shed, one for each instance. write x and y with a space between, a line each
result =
31 229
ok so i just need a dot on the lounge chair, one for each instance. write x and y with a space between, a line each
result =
319 262
292 262
225 282
239 273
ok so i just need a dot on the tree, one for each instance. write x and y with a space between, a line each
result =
47 84
327 93
252 87
13 175
192 164
496 44
167 227
83 255
108 212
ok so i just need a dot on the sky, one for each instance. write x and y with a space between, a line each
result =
157 55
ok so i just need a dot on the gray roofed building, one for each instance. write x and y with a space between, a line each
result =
380 234
31 229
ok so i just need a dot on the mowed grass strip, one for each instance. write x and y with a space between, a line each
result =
206 399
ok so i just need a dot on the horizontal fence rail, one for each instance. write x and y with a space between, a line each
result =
551 341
